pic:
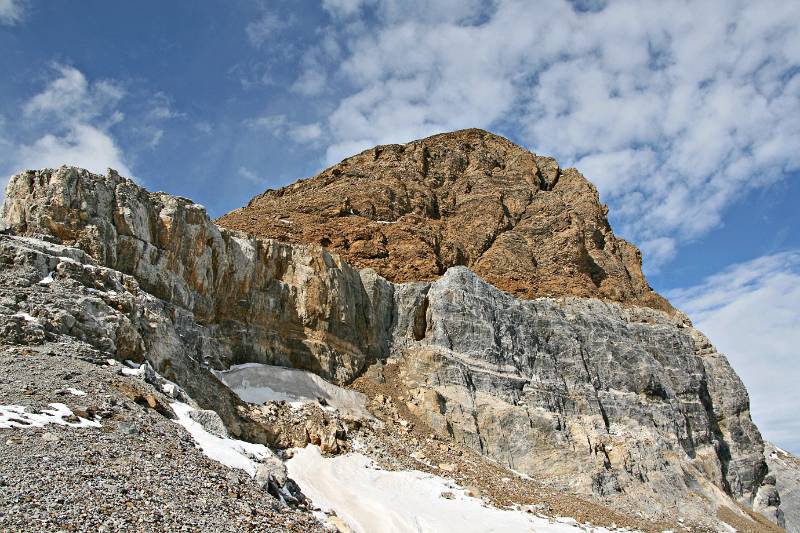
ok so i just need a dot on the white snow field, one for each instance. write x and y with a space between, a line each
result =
257 383
15 416
230 452
370 499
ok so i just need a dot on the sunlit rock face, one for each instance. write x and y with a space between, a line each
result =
623 402
262 300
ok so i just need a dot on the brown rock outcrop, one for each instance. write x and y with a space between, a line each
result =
466 198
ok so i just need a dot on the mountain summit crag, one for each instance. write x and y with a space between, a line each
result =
468 198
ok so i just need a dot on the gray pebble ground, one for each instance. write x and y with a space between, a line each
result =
140 471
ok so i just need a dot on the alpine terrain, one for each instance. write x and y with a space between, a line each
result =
439 336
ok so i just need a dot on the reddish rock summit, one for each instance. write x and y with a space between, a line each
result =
467 198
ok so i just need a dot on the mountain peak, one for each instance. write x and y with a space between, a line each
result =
469 198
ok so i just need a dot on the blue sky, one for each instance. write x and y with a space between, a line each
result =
686 116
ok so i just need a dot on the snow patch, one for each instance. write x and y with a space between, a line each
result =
75 392
371 499
26 316
257 383
133 369
15 416
230 452
47 280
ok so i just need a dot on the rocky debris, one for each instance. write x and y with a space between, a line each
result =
139 471
785 471
286 427
463 198
99 315
210 421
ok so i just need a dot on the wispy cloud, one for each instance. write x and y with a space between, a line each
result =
12 12
260 31
251 176
750 312
675 113
280 125
76 121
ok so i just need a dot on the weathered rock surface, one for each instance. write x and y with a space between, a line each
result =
628 403
259 300
624 402
785 468
464 198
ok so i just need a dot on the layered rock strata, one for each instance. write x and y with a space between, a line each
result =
259 300
627 403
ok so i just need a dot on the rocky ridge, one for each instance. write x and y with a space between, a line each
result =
625 404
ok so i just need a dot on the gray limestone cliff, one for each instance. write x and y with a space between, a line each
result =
629 404
783 488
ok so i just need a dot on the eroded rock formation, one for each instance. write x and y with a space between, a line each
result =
627 403
260 300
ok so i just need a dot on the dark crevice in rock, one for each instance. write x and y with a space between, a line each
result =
420 320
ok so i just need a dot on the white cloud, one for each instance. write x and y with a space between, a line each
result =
343 8
82 145
71 118
11 12
303 133
676 113
73 121
71 97
311 82
161 108
750 312
280 125
251 176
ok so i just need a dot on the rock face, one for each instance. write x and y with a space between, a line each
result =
628 403
785 468
624 402
465 198
260 300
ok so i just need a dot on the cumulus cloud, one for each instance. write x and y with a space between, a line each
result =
750 312
81 145
675 113
11 12
75 121
72 117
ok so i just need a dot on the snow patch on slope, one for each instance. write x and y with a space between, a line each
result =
257 383
371 499
15 416
230 452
